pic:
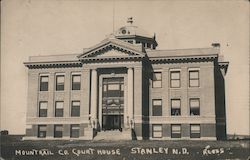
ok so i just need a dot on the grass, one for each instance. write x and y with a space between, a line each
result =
12 147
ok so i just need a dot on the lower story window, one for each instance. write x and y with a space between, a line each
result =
41 131
58 131
195 131
74 130
157 130
175 131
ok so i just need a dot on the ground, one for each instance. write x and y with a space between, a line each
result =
12 147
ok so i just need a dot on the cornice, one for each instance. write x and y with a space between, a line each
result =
53 64
183 59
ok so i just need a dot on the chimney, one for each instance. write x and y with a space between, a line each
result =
216 45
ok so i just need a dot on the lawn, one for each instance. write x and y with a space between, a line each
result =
12 147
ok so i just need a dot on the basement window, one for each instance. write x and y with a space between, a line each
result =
195 131
74 130
157 130
58 131
41 131
175 131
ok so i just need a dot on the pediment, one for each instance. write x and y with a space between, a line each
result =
110 52
112 48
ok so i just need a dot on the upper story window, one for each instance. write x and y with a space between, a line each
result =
41 131
60 82
44 83
76 82
175 79
157 107
75 109
194 78
157 80
175 107
195 131
59 109
43 107
194 106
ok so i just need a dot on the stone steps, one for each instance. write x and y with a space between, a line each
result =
114 135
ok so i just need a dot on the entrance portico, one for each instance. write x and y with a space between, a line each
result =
113 100
120 62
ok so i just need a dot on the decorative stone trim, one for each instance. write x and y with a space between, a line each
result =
58 64
186 59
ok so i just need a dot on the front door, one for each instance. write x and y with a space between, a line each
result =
112 103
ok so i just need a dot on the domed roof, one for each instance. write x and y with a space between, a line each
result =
132 31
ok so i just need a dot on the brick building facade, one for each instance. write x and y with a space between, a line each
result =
126 87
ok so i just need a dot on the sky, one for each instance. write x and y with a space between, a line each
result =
50 27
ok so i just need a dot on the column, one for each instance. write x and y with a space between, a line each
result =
130 95
138 83
184 91
94 97
138 93
51 93
85 94
67 95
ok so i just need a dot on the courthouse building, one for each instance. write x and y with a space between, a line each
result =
124 88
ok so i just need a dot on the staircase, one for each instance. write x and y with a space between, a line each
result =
113 135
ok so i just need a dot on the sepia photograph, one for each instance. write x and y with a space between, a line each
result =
125 80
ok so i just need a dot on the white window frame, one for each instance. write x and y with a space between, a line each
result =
194 69
170 78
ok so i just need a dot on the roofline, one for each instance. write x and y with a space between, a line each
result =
184 56
156 50
51 62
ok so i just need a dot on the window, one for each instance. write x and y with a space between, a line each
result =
41 131
58 131
76 82
44 83
175 131
74 130
75 109
157 107
194 106
175 79
195 131
60 82
157 130
43 107
194 78
156 80
59 109
113 87
148 45
175 107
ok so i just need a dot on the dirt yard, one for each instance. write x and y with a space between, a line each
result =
12 147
